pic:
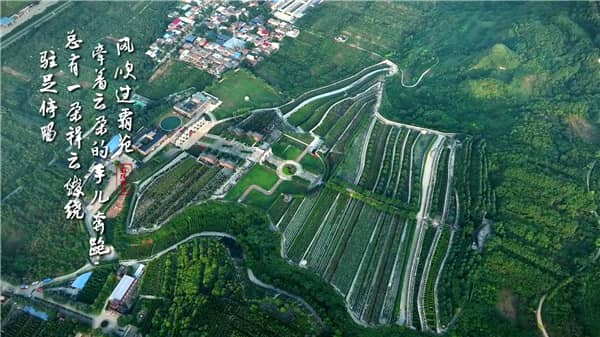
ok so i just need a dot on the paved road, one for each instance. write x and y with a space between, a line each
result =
538 316
420 77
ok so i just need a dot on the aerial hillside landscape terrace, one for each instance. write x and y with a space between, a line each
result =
300 168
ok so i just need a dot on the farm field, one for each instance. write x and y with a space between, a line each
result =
383 263
189 181
365 253
235 86
397 160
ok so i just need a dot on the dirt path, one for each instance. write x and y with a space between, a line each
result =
15 73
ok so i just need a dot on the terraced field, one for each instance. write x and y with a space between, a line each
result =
386 266
189 181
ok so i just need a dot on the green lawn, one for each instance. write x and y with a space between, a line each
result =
312 164
258 175
287 148
235 86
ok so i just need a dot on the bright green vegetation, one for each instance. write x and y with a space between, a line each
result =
585 295
499 57
312 164
258 175
8 8
289 170
33 220
512 79
338 84
168 79
233 89
287 148
320 115
187 182
308 116
202 275
300 66
359 249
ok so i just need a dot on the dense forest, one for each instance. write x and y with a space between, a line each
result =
186 291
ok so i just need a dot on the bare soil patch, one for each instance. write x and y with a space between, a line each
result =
507 304
163 70
585 130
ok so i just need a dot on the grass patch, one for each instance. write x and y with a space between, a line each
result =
177 76
312 164
287 148
258 175
235 86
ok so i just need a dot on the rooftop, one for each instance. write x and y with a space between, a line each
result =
121 288
81 280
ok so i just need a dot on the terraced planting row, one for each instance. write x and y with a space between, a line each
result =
363 252
375 150
188 182
314 112
333 86
344 127
309 115
395 162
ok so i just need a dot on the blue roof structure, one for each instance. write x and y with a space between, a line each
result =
258 21
39 314
114 143
5 21
236 55
81 280
234 43
190 38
